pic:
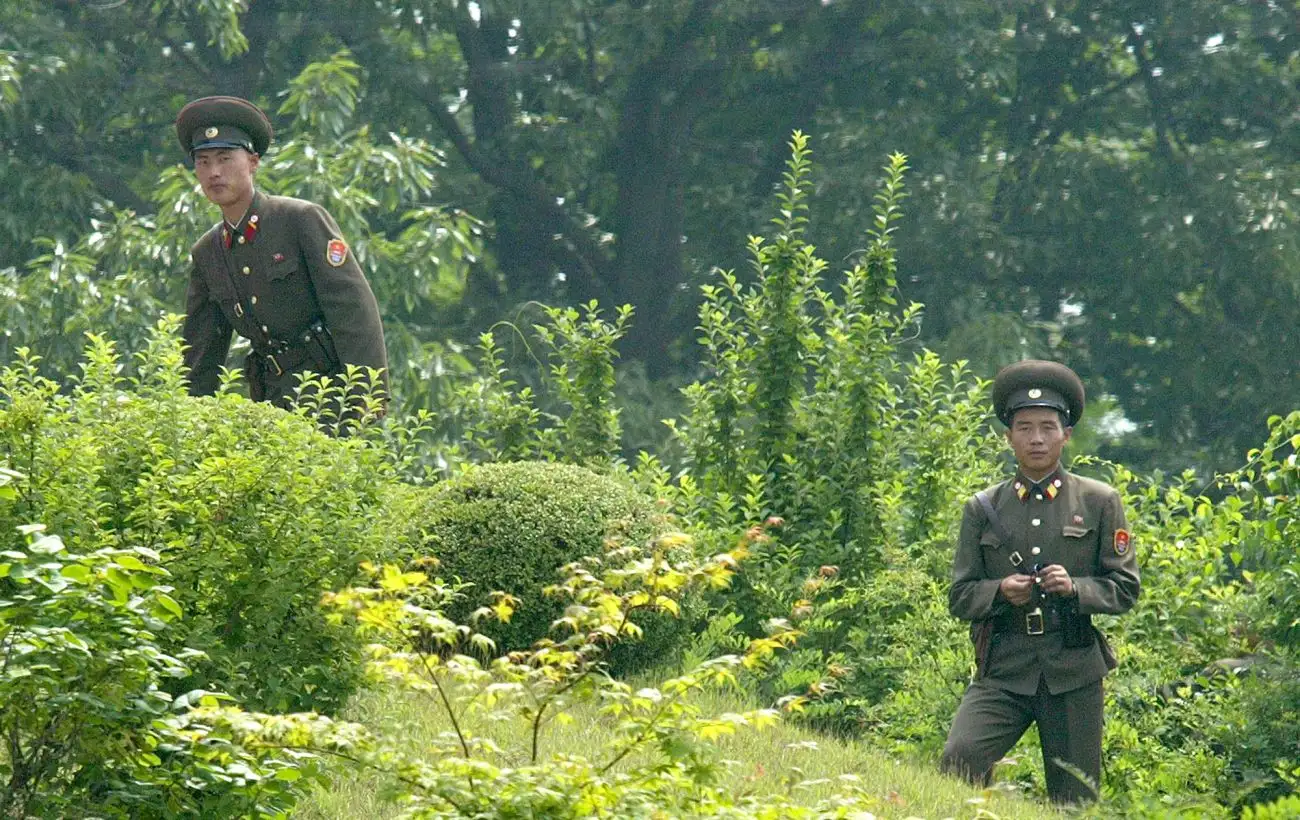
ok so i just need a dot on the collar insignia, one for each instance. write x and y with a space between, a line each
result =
248 234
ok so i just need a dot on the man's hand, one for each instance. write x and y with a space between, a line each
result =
1056 581
1017 589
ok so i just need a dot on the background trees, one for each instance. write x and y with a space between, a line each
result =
1105 182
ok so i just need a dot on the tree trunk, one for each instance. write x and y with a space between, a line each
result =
648 220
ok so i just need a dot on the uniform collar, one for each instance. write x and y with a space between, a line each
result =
1048 489
248 226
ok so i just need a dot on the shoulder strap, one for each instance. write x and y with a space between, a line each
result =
992 515
252 328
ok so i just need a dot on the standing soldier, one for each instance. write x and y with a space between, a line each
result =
275 269
1037 556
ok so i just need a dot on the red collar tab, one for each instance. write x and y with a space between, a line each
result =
249 233
1048 490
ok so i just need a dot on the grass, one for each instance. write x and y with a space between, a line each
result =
786 759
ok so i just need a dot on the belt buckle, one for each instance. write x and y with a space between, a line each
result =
1034 622
279 371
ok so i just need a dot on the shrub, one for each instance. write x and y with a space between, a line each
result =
662 761
512 526
252 510
89 731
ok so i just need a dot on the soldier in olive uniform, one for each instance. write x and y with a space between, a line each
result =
274 269
1039 554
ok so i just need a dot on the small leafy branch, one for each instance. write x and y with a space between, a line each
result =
417 647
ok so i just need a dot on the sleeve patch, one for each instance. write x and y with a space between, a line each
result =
336 252
1122 542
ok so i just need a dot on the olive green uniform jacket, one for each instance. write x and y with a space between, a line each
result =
1077 528
283 268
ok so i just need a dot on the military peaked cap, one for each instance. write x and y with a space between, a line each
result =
1036 383
223 122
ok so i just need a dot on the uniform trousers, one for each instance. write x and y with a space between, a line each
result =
990 721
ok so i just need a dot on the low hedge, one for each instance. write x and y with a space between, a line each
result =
511 527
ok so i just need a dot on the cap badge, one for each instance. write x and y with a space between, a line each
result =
1035 393
336 252
211 132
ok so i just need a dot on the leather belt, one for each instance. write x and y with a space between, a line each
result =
284 357
1028 621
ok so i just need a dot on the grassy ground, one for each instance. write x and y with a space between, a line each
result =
770 761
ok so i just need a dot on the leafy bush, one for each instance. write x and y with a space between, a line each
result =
252 510
88 728
513 526
572 416
662 761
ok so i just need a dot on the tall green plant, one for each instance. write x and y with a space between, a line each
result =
572 416
810 406
582 350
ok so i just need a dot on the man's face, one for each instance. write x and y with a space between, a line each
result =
226 174
1037 437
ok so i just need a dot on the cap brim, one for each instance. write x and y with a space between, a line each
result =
220 144
233 111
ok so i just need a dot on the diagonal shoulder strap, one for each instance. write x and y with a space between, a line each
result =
992 515
243 308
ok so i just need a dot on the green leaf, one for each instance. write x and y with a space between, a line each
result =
77 572
132 563
48 545
167 603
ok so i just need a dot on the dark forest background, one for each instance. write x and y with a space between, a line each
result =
1106 183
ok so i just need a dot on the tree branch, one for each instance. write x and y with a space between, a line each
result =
510 177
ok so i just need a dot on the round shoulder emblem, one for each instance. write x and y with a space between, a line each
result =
336 252
1122 542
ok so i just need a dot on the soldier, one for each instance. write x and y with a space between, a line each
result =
1039 554
275 269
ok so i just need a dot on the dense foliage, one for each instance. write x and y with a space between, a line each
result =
89 727
252 511
815 419
1104 181
818 474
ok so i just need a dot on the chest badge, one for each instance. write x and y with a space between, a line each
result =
1122 542
277 258
1078 519
336 252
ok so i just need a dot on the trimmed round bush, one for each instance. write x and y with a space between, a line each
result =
512 526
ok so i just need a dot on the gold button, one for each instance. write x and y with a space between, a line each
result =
254 300
247 270
1038 496
241 240
266 329
1036 521
1036 550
